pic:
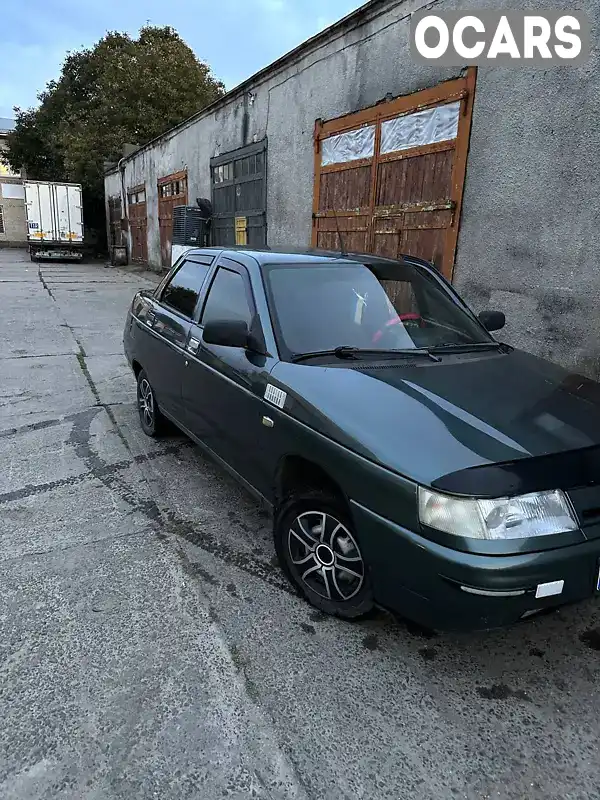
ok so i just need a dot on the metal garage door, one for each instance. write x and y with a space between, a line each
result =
239 196
391 177
172 191
138 223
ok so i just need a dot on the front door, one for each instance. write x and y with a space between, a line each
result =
168 326
223 387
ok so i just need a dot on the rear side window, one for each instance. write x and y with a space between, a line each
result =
183 290
227 298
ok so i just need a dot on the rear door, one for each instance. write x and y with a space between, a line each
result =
40 212
67 203
164 334
223 387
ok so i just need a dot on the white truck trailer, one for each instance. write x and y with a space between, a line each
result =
54 220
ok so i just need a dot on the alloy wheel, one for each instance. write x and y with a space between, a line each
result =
146 403
326 556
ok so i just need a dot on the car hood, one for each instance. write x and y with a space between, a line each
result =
426 420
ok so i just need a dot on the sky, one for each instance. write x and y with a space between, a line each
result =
235 37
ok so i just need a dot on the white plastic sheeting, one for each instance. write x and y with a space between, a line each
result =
348 146
432 125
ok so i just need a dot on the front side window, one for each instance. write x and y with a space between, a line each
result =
227 299
183 290
321 306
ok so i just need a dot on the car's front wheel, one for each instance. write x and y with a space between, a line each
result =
151 420
320 553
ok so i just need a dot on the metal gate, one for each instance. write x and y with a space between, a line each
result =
390 178
138 223
172 191
239 196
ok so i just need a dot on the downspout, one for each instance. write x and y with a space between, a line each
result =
124 216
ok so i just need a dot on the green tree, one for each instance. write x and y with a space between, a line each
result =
122 90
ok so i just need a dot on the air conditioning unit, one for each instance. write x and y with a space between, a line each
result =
191 225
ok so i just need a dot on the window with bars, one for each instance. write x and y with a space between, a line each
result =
2 231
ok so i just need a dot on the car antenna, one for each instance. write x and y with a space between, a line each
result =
337 225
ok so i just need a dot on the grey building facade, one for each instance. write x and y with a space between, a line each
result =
13 221
520 214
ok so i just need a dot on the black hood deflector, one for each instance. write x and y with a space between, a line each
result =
567 470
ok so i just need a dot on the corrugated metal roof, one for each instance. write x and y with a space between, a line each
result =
6 124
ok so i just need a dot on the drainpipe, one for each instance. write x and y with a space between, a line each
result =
124 216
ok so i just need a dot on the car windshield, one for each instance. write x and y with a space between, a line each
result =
321 306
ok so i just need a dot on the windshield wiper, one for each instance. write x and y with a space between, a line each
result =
348 352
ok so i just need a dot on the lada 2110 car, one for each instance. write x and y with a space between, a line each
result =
410 459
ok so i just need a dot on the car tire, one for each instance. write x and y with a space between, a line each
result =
326 566
151 420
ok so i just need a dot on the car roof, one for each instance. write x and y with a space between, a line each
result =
278 255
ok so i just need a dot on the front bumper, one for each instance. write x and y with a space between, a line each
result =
424 581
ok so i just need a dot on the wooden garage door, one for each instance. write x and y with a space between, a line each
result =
138 223
390 178
172 191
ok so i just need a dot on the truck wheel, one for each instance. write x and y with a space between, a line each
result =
152 421
320 554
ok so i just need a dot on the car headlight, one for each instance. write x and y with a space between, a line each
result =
537 514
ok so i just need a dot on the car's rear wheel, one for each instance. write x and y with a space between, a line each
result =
151 420
319 551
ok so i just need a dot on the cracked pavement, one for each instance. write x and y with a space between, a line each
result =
151 648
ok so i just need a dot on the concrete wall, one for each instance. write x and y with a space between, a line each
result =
529 231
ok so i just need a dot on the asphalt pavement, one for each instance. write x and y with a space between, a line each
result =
151 648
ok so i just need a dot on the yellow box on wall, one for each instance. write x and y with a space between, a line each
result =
241 230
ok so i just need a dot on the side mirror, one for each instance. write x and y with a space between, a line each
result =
492 320
228 333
